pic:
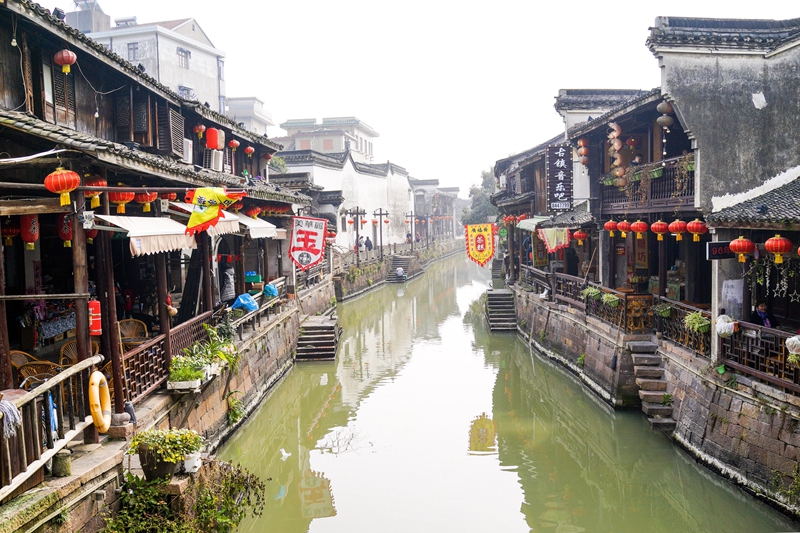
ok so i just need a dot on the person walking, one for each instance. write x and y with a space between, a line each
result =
368 244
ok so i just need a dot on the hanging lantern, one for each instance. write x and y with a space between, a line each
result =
407 221
624 227
10 230
363 221
742 247
253 211
62 181
249 151
778 245
145 198
616 144
640 227
29 230
660 228
215 139
93 181
65 229
120 199
267 156
631 142
169 196
581 236
374 222
619 172
583 141
583 151
350 221
65 58
665 108
696 227
234 144
678 227
91 234
616 130
422 222
237 206
610 227
199 130
585 161
385 220
665 121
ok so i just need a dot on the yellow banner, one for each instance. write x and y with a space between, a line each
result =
208 204
480 242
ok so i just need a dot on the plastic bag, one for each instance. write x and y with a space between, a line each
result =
270 290
245 301
725 326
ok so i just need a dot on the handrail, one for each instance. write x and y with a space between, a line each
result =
673 329
761 352
57 379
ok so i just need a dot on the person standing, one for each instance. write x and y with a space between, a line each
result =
763 317
368 244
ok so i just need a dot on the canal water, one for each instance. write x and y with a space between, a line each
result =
427 422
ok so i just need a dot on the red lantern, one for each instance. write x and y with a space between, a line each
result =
249 151
350 221
742 247
145 198
660 228
778 245
696 227
631 143
65 58
583 141
120 199
199 130
678 227
363 221
268 156
62 182
93 181
640 227
422 222
95 318
10 230
237 206
234 144
385 220
374 222
610 227
583 151
29 230
585 161
65 229
169 196
91 234
580 235
624 227
215 139
252 211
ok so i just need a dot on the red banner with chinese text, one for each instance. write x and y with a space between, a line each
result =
480 242
307 245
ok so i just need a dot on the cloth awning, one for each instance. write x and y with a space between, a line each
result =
258 228
529 224
152 235
281 234
227 223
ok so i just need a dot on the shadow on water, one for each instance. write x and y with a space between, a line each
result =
428 422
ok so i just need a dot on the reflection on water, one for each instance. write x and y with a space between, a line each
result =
427 422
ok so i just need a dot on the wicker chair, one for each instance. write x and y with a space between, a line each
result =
69 352
19 358
32 374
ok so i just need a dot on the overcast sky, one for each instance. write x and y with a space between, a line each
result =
451 86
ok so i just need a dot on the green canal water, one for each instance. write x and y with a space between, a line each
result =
427 422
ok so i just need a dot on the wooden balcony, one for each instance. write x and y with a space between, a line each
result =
647 191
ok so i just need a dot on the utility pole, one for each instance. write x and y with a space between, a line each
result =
380 213
410 216
357 213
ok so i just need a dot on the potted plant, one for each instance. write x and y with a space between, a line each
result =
591 293
610 300
697 322
160 450
657 172
185 372
662 309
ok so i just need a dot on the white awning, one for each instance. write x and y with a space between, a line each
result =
529 224
152 235
227 223
281 234
258 228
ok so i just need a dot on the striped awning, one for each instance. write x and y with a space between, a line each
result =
152 235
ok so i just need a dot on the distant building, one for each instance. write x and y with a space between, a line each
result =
333 136
249 113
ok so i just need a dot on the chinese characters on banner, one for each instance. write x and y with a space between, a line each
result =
480 242
307 246
558 161
208 205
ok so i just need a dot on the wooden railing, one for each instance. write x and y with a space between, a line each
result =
631 314
674 188
568 290
536 280
310 277
761 352
53 414
253 318
672 327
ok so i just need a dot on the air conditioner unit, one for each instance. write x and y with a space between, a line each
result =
188 151
212 159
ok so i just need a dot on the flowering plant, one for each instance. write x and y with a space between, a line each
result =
169 445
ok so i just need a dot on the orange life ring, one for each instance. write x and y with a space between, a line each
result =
99 401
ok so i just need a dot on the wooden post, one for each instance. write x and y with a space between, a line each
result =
112 333
265 243
662 267
6 378
611 282
239 265
511 266
163 312
205 261
80 277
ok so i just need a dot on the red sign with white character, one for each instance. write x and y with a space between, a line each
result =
307 246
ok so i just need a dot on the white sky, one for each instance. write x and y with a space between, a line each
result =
451 86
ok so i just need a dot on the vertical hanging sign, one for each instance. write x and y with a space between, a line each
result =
307 245
558 161
480 242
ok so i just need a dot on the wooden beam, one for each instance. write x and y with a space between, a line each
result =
32 206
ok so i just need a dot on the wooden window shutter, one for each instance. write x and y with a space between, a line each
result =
122 116
28 73
64 97
170 130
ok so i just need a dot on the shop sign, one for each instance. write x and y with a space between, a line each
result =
640 251
539 251
558 162
620 249
503 232
719 250
480 242
307 245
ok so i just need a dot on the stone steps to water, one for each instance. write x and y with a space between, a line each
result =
318 339
662 424
399 261
649 372
656 410
651 396
501 310
646 384
645 359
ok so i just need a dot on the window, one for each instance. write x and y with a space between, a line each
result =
221 69
47 74
327 144
222 104
186 92
305 145
183 57
133 51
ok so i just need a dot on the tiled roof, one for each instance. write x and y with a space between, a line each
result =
111 152
337 161
722 33
501 165
626 107
571 219
568 99
779 207
210 114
